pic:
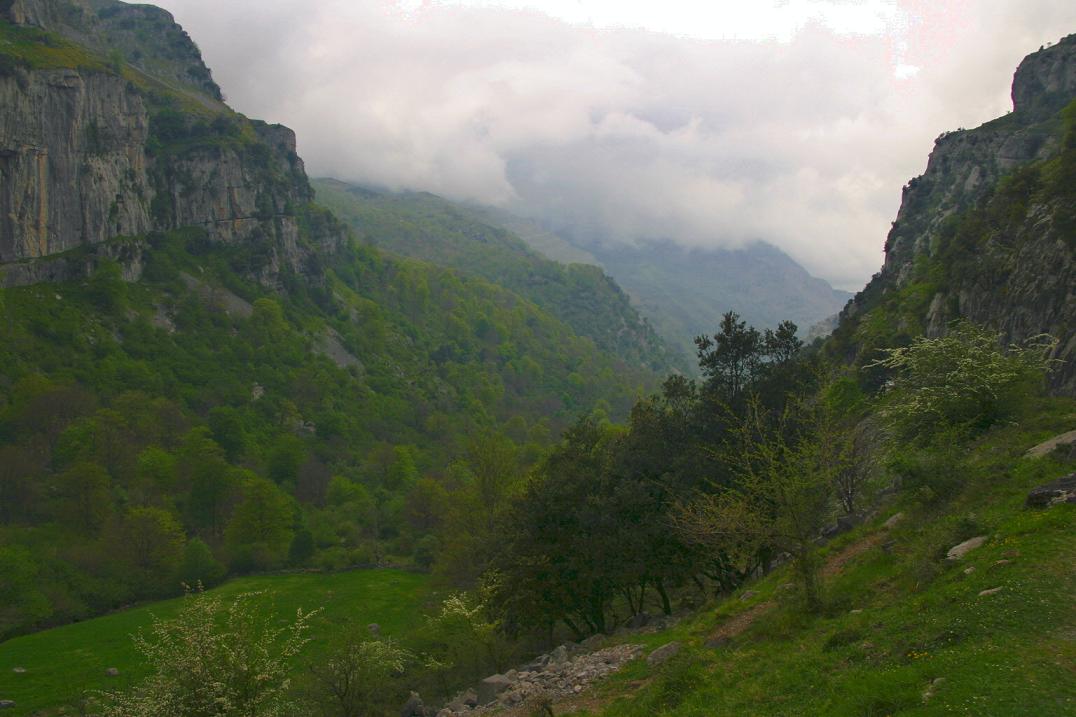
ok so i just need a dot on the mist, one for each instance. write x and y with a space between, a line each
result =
802 137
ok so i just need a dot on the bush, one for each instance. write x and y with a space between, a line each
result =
216 660
965 380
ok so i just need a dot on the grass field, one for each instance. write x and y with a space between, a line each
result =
906 631
63 662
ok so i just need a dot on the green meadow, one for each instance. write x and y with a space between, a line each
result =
65 662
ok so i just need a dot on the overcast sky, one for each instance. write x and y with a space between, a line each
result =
708 123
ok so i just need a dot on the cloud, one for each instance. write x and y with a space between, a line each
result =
803 138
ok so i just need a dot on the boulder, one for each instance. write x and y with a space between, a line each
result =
1062 490
6 704
112 672
414 707
663 654
559 655
491 687
892 522
991 591
959 551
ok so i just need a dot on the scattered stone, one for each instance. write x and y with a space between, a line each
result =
374 629
491 687
747 595
663 654
959 551
6 704
1047 447
1062 490
969 570
1003 561
991 591
591 642
18 670
892 522
112 672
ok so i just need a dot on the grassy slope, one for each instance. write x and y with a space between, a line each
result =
1010 653
62 662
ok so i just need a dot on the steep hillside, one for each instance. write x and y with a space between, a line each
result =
204 372
424 226
988 232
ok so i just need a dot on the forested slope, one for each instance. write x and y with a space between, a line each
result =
430 228
203 372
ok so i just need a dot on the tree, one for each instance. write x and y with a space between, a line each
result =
198 566
260 531
351 680
731 359
215 659
149 543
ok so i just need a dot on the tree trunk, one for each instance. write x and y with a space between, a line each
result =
666 606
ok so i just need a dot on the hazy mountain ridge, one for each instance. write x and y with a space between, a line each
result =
424 226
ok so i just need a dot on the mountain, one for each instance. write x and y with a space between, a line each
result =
205 372
427 227
988 232
684 292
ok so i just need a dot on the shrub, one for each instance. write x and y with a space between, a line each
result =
216 660
966 380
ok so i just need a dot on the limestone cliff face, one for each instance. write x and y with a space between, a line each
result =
87 155
1022 276
72 162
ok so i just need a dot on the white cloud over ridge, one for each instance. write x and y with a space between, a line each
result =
802 138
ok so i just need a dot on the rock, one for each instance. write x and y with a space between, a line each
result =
959 551
7 704
639 620
511 675
18 670
1062 490
374 629
112 672
414 707
718 642
1003 561
663 654
857 611
446 712
747 595
1047 447
991 591
491 687
934 684
887 546
893 520
470 698
559 655
969 570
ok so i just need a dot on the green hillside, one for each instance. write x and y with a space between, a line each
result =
905 631
427 227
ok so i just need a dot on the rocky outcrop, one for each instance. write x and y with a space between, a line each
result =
87 156
1021 277
72 162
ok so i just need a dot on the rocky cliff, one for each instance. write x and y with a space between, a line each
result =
987 233
105 147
